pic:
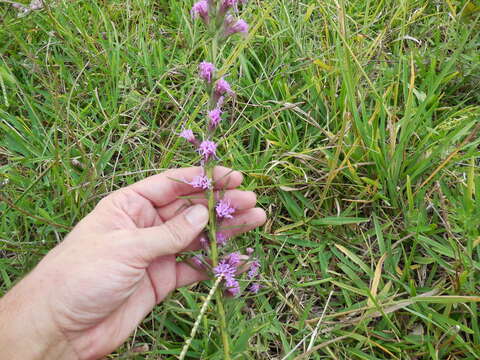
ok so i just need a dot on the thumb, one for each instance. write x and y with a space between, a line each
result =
172 236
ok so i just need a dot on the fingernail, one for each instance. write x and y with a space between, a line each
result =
197 215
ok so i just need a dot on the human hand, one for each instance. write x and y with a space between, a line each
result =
90 292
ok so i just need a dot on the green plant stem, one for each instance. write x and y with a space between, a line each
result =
214 258
212 226
223 325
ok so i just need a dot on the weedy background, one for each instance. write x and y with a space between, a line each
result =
356 122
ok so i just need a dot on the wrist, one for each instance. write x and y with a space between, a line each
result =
27 329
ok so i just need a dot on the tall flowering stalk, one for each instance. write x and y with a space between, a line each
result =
222 21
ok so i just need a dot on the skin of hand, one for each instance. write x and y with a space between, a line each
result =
89 293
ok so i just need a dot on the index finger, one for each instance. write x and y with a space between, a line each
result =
166 187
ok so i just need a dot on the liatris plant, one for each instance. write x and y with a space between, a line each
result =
221 19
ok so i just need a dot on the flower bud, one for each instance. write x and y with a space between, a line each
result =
200 10
215 118
232 26
206 70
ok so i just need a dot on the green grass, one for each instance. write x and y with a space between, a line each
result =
356 122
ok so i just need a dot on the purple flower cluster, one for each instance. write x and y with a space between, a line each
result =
234 26
201 182
215 117
206 71
207 149
224 209
188 135
221 239
253 274
222 87
254 267
234 259
200 10
254 288
227 268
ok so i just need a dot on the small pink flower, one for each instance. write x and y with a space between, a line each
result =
224 269
233 287
249 251
206 71
200 9
254 288
222 87
254 267
227 5
201 182
233 259
207 149
187 134
215 118
221 239
232 26
224 209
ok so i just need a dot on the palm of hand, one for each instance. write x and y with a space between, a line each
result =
110 279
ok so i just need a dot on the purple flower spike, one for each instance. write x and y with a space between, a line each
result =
215 118
200 10
201 182
222 87
207 149
221 239
206 70
233 26
224 209
254 288
187 134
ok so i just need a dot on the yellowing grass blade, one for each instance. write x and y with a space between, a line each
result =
376 279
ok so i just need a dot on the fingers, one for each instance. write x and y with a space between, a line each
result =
171 237
242 222
187 275
164 188
241 200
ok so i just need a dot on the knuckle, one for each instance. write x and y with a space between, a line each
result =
176 236
113 199
253 197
